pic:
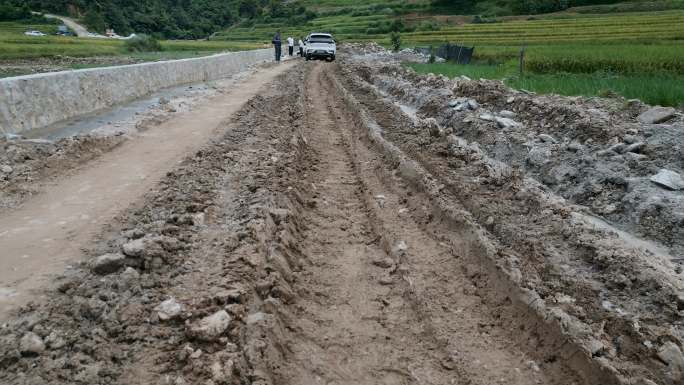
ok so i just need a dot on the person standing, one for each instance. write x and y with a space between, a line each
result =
290 45
301 47
277 43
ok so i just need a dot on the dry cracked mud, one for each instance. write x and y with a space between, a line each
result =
331 235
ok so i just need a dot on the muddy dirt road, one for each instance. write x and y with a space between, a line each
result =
324 236
48 232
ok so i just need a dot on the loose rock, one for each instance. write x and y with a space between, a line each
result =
134 248
31 344
506 122
168 309
669 179
108 263
211 327
657 115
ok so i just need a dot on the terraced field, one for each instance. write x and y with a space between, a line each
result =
632 27
15 45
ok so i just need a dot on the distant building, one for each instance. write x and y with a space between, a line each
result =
110 32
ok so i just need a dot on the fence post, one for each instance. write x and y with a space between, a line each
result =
522 59
458 58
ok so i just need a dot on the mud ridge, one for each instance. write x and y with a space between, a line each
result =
574 338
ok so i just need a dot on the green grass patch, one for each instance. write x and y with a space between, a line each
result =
15 45
653 88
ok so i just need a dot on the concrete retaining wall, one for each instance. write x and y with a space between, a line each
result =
34 101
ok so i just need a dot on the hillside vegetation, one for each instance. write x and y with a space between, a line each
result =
191 19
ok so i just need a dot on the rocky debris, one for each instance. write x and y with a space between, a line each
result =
55 341
211 327
168 309
431 125
222 372
108 263
31 344
671 354
657 115
669 179
462 104
6 169
539 156
584 141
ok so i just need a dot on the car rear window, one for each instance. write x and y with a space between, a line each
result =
320 39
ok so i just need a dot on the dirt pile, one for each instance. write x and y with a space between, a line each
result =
26 162
625 294
376 52
170 295
593 152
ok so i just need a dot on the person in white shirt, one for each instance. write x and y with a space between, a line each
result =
290 45
301 47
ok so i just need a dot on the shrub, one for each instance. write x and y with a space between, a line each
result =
395 40
142 43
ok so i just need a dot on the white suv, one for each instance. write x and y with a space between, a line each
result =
320 46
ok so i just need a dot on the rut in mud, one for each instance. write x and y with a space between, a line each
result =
322 238
384 300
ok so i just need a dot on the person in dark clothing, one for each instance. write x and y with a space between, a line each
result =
277 43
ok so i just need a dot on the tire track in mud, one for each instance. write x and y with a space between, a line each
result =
388 299
573 321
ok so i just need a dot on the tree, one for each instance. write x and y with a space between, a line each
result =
276 8
395 40
248 8
94 20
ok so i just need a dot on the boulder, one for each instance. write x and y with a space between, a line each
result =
211 327
31 344
107 263
6 169
657 115
669 179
